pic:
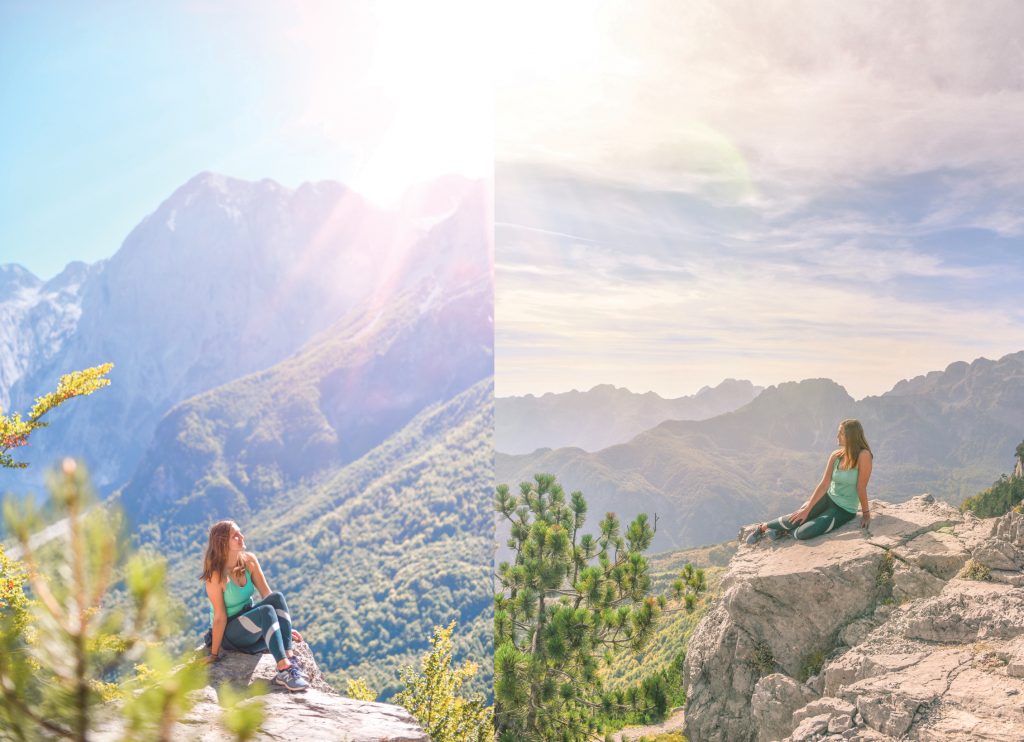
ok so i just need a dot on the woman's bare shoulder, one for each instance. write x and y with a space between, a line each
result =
250 560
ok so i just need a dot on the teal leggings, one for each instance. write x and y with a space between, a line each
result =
824 517
265 627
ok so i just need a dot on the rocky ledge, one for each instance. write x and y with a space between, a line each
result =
911 630
318 713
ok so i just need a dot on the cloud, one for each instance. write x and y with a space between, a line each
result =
689 301
772 103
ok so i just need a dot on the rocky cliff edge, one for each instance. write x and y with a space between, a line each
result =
910 630
318 713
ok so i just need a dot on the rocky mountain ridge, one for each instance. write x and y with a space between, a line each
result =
604 415
225 278
946 433
913 630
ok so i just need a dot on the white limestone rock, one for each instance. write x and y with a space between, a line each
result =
913 652
775 698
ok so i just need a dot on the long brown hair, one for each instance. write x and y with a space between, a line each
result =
853 432
215 561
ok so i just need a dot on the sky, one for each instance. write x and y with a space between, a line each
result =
687 192
108 108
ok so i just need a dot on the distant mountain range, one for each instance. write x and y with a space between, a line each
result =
306 363
603 416
950 433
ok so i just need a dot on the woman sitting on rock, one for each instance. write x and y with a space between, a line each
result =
232 575
836 498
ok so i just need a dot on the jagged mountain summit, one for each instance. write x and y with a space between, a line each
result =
36 318
225 278
949 433
604 415
911 630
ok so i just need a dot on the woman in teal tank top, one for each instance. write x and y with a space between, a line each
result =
842 489
232 576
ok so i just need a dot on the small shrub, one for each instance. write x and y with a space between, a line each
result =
811 665
358 689
886 567
975 570
764 660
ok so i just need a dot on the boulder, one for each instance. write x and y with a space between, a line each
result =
775 698
910 650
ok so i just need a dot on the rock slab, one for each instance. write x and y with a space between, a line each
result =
888 641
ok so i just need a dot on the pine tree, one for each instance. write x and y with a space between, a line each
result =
15 431
567 603
76 648
434 695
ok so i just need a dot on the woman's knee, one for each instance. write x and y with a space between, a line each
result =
275 599
267 615
804 532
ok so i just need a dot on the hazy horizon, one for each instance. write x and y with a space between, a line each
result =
712 385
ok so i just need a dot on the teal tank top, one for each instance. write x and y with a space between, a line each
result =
236 598
843 489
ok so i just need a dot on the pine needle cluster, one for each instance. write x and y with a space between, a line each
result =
70 650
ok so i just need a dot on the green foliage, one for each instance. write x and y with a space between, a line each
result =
811 665
763 659
647 701
975 570
13 601
666 652
568 603
884 572
1004 495
358 689
434 695
57 670
16 431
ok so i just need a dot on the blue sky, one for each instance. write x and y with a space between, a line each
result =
724 189
110 107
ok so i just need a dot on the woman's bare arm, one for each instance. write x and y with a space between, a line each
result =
819 491
215 592
864 462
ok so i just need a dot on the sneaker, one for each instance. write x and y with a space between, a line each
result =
295 664
291 679
754 536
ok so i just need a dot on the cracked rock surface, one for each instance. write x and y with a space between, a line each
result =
867 635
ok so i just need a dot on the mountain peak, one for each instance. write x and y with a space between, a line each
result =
14 277
980 373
